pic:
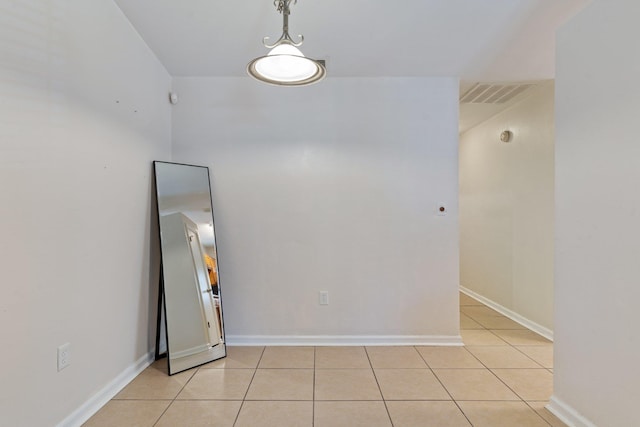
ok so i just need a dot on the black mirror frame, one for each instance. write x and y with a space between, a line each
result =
161 307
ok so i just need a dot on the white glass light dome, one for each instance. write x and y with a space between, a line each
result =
285 65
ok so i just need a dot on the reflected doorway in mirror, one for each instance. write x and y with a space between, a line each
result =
190 303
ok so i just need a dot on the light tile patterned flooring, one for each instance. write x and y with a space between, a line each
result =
502 377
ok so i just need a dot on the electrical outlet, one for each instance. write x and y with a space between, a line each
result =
64 356
324 297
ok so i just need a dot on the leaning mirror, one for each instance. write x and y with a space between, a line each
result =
190 286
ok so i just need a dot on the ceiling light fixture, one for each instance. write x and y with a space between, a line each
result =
285 65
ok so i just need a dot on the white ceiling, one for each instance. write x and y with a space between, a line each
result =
477 40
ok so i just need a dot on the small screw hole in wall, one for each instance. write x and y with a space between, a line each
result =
441 209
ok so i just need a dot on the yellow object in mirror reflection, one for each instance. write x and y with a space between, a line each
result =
211 267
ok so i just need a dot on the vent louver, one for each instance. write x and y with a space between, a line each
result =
487 93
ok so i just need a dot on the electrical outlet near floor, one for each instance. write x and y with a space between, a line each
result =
64 356
324 297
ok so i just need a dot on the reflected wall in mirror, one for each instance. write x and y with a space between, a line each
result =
190 305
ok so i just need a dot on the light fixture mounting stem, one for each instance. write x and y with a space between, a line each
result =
285 65
283 7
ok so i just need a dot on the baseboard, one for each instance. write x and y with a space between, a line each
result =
97 401
190 351
529 324
344 340
567 414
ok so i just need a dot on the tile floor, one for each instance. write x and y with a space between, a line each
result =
502 377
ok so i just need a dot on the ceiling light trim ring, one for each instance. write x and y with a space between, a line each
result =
318 73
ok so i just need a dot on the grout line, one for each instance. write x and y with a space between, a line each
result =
313 400
515 347
535 361
523 369
386 408
497 377
518 348
382 398
179 391
543 419
249 386
443 386
503 382
291 369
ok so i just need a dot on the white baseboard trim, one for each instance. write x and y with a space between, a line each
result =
97 401
567 414
529 324
190 351
344 340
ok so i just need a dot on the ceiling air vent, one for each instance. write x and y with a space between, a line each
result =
487 93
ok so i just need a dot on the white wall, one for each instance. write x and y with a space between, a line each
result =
506 209
597 271
83 113
330 187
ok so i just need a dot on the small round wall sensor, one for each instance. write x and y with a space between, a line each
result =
506 136
173 98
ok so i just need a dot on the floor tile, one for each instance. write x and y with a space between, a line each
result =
237 358
467 300
130 413
351 414
160 365
218 384
501 414
287 357
426 414
346 384
281 384
480 337
449 357
523 337
200 413
529 384
502 378
540 409
478 310
497 322
395 357
502 357
410 384
474 384
543 354
341 357
468 323
275 414
155 383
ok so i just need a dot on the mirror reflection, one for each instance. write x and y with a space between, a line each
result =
190 281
